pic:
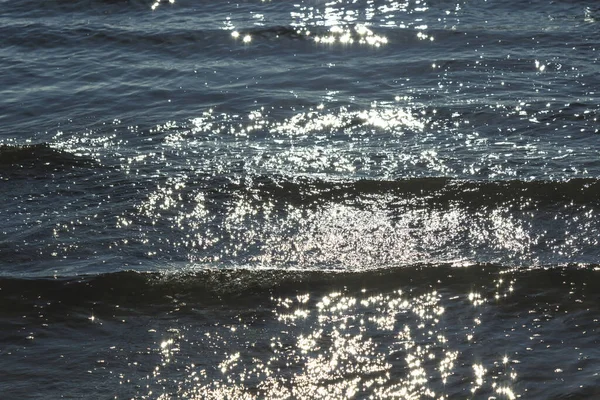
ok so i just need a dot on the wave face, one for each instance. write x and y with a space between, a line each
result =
299 200
117 222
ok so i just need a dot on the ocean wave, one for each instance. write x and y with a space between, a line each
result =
434 191
287 222
19 160
228 285
37 160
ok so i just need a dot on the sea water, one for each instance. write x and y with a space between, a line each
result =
299 199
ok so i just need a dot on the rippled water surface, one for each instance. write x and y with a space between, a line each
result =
298 200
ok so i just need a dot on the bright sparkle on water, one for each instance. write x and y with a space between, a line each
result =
157 3
340 346
359 34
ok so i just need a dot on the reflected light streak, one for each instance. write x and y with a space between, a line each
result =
359 34
157 3
340 344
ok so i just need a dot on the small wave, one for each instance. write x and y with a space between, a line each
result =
213 285
435 191
29 160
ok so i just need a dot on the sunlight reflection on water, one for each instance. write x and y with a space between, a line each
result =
342 345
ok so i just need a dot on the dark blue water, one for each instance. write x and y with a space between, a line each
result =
320 199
